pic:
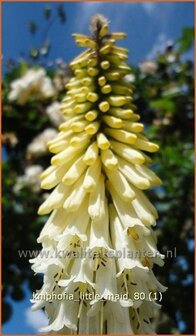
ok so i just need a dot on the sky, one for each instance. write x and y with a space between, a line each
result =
23 320
149 25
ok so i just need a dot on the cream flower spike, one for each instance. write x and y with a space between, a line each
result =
99 247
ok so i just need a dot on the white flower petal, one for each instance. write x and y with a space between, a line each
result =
99 232
67 155
76 170
106 280
132 175
120 184
55 200
143 213
128 153
54 226
125 211
51 177
92 175
96 208
149 174
77 225
76 196
118 320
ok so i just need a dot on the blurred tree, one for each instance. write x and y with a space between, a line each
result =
164 97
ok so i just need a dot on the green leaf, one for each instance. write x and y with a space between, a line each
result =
164 104
186 40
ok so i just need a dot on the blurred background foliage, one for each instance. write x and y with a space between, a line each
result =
164 98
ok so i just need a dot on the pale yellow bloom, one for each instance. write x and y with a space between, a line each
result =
99 173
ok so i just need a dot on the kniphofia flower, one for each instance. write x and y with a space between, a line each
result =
99 173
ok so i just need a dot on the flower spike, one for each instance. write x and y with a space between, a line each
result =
99 244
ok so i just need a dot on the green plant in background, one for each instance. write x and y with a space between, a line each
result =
164 97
